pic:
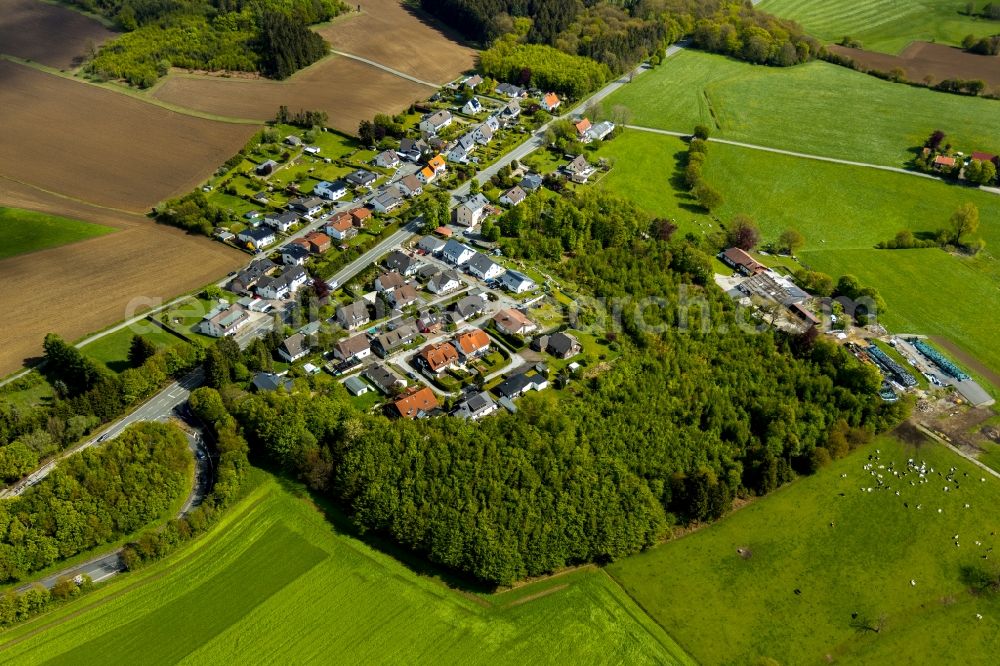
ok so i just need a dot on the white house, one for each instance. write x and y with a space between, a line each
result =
308 206
431 244
330 190
444 283
388 281
224 321
457 253
388 201
484 268
472 107
551 102
471 211
283 285
387 159
282 222
473 81
513 196
517 282
256 238
601 130
483 133
294 347
340 227
349 349
436 122
410 186
294 255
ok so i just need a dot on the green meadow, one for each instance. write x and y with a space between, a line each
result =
275 582
805 575
884 25
29 231
815 108
112 349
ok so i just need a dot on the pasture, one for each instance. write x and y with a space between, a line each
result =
815 108
112 349
274 581
883 25
27 231
94 145
806 574
48 33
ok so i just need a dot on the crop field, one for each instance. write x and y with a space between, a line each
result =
349 92
923 61
27 231
816 108
412 43
73 292
275 582
94 145
47 33
804 575
883 25
112 349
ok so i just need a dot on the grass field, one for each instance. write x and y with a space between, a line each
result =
275 583
112 349
846 552
883 25
816 108
27 231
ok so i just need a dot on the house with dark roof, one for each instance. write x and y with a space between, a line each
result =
517 282
361 178
444 282
247 278
457 253
476 406
430 244
563 345
483 267
266 168
224 321
518 385
472 211
387 159
331 190
392 341
468 307
510 90
308 206
579 170
281 221
385 380
388 200
294 254
354 347
256 238
294 347
531 182
401 262
268 381
353 315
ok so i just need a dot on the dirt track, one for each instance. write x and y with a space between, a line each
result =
49 34
937 61
83 287
414 43
104 147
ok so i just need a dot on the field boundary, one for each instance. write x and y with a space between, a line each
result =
385 68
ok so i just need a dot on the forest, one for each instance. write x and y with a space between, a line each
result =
580 474
270 37
94 497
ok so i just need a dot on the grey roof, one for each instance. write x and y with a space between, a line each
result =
510 90
431 244
453 249
295 344
295 251
398 337
389 198
531 182
268 381
440 118
399 261
257 234
481 263
469 306
518 384
560 344
361 177
427 271
475 405
381 377
355 385
352 312
476 202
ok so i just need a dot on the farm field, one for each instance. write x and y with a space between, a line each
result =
47 33
101 147
112 350
783 577
320 87
922 60
277 563
27 231
883 25
77 289
816 108
414 44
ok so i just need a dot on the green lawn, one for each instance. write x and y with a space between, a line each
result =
274 582
816 108
28 231
884 25
846 552
112 349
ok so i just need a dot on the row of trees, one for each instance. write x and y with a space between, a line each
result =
962 226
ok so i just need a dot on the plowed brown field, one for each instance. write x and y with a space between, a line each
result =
349 92
99 146
937 61
391 35
83 287
49 34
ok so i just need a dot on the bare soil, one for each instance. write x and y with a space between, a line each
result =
921 60
103 147
404 39
349 92
967 359
84 287
47 33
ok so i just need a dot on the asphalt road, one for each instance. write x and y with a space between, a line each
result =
372 255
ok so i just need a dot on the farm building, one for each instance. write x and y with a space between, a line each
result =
739 260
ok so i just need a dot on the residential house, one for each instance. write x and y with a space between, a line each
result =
401 262
361 178
392 341
294 254
563 345
944 163
517 282
484 133
742 262
484 268
413 149
386 381
247 278
601 130
353 315
331 190
386 282
583 130
438 164
400 297
579 169
410 186
268 381
518 385
426 175
426 272
429 322
472 343
511 111
472 211
513 196
260 197
318 242
436 122
266 168
444 283
468 307
224 321
513 322
457 253
437 358
430 244
290 281
472 107
460 151
312 150
476 407
360 216
388 200
354 347
387 159
531 182
355 386
294 347
510 90
416 403
473 81
256 238
308 206
281 222
293 140
341 227
551 102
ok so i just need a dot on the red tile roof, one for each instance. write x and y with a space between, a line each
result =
473 341
416 401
